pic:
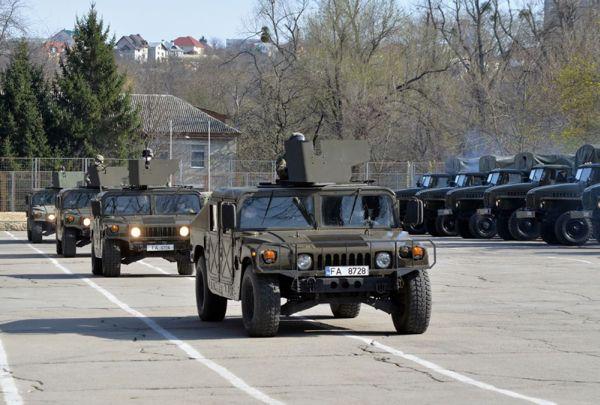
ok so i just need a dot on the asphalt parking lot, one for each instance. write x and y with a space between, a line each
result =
512 322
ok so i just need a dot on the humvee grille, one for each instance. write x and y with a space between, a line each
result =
160 231
343 259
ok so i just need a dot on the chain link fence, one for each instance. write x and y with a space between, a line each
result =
18 176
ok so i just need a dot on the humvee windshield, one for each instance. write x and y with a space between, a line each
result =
78 199
177 204
503 178
277 212
45 197
356 210
127 205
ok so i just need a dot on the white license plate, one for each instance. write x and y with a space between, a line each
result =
160 248
484 211
443 212
346 271
525 214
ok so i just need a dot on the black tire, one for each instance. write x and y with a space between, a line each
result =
413 304
69 248
596 230
185 267
462 226
482 226
345 311
416 229
96 262
211 307
111 258
36 233
524 228
503 228
59 249
430 226
261 304
446 225
28 234
547 233
572 231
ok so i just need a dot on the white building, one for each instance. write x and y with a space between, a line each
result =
157 51
132 47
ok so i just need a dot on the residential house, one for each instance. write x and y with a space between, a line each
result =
132 47
166 117
190 45
174 50
56 45
158 51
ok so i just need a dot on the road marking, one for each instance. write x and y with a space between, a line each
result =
153 267
449 373
185 347
425 363
7 382
570 259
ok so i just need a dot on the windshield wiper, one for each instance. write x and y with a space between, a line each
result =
304 211
353 205
267 210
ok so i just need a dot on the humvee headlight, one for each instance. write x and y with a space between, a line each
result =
304 261
69 219
135 232
114 228
51 217
86 222
184 231
269 256
418 252
383 260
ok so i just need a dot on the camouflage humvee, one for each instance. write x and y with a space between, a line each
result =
146 219
313 238
40 209
73 219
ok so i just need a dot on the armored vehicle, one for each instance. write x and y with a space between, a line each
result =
503 202
427 182
435 218
558 208
313 238
40 210
591 208
145 219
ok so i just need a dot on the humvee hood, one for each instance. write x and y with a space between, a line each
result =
322 238
166 219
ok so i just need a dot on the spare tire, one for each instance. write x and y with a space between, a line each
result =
571 230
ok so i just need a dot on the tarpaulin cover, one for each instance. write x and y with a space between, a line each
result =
456 165
587 154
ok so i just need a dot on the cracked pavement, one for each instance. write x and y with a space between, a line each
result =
520 317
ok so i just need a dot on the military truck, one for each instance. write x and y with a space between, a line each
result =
145 219
40 209
427 181
591 208
435 218
463 204
558 208
503 202
313 238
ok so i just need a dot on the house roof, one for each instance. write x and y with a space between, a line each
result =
158 110
188 41
135 41
157 45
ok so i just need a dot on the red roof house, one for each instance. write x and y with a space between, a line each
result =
190 45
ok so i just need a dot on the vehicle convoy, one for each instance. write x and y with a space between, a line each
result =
503 202
145 219
463 204
434 200
428 181
40 209
558 208
312 237
591 208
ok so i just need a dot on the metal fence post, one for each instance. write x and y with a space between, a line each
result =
12 191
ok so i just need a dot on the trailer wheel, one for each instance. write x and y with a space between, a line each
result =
572 231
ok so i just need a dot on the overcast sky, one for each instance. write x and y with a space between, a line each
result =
154 20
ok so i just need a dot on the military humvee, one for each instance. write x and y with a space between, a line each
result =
145 219
558 208
312 238
427 181
503 202
40 209
591 208
437 220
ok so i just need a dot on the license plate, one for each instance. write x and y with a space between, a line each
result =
160 248
484 211
444 212
525 214
346 271
581 214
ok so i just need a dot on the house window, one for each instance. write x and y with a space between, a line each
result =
197 158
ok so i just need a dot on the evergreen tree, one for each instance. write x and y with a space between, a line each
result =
95 114
22 127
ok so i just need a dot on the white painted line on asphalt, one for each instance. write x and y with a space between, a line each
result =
570 259
185 347
153 267
7 382
449 373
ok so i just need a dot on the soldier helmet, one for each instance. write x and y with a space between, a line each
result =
99 160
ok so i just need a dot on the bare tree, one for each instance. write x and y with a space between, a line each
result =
11 22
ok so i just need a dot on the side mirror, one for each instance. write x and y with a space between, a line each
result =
414 212
228 217
96 208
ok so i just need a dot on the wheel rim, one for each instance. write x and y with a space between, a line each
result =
484 225
576 229
449 225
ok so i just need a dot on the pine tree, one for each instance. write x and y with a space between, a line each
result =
95 114
22 127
